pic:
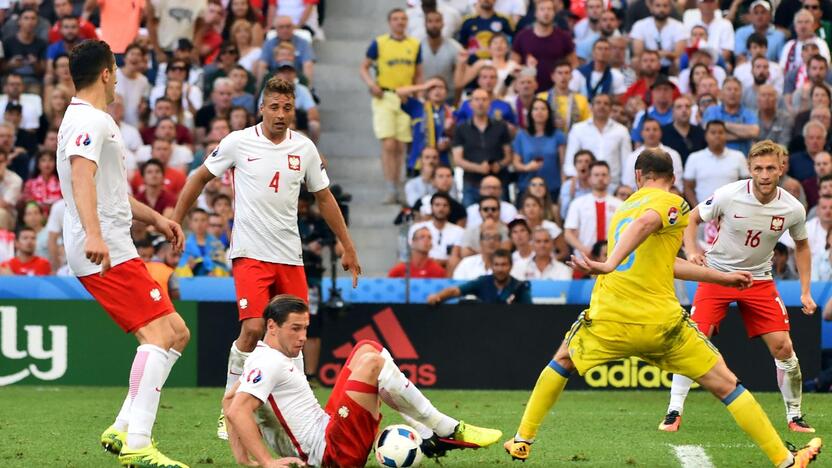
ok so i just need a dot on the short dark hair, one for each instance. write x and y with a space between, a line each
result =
654 163
279 86
502 253
281 306
651 51
134 45
597 246
489 197
562 63
87 60
221 196
197 210
819 58
756 38
21 230
152 162
441 195
587 152
599 164
826 178
441 166
781 248
714 122
646 120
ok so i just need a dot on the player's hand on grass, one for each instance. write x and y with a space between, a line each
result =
97 252
738 279
589 267
809 306
350 263
288 462
172 232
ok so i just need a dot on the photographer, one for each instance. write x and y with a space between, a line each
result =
497 288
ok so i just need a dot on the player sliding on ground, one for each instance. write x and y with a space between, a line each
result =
753 215
100 251
272 403
633 312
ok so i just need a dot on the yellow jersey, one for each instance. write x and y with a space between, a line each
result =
395 60
571 109
641 290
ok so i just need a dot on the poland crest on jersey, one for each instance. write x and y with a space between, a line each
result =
294 162
777 223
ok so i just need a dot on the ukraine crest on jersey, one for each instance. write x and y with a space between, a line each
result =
641 290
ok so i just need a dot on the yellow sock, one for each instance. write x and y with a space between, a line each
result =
753 420
545 394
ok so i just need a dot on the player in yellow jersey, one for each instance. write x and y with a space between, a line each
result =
634 312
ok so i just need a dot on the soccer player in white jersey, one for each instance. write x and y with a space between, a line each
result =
100 252
752 215
272 404
268 163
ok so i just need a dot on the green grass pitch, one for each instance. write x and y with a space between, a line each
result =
59 427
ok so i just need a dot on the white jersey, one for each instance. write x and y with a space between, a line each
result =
291 419
748 230
266 180
92 134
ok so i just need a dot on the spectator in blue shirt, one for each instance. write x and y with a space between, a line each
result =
498 109
431 119
204 254
69 37
741 124
304 53
661 95
760 14
497 288
538 150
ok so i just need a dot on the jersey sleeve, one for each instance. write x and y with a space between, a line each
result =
711 208
316 176
86 140
223 156
260 377
372 50
798 229
674 210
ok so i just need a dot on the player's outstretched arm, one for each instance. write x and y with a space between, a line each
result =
241 456
331 213
634 234
694 253
86 201
190 192
803 261
685 270
444 295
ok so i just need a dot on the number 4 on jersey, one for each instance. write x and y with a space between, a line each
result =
752 238
275 183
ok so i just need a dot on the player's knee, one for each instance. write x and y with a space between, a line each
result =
371 363
782 349
251 331
181 338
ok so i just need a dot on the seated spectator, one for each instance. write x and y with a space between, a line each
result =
651 136
775 125
242 36
714 166
162 268
822 262
31 103
481 147
818 228
243 10
576 186
520 235
166 129
219 228
701 59
589 215
304 101
25 262
54 236
824 189
680 135
792 185
445 235
191 95
599 75
498 287
239 95
532 211
433 19
740 123
18 160
568 107
32 217
817 71
797 75
661 109
304 15
69 37
823 168
220 106
770 70
780 268
649 70
44 187
422 185
164 109
791 56
174 179
11 185
465 75
240 118
607 139
537 187
304 53
86 30
759 13
421 265
443 182
474 256
203 253
221 205
543 265
802 163
23 138
132 84
538 151
153 193
431 119
490 186
497 109
623 192
821 113
24 50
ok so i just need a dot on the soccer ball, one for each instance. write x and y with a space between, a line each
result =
398 446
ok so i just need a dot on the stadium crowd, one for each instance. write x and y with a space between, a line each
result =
190 72
518 123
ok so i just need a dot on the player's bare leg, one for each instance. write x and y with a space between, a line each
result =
679 390
546 392
392 151
751 418
789 378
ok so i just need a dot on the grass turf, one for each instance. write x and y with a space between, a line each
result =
59 426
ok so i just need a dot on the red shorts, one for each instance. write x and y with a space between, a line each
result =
761 308
352 429
257 282
129 295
